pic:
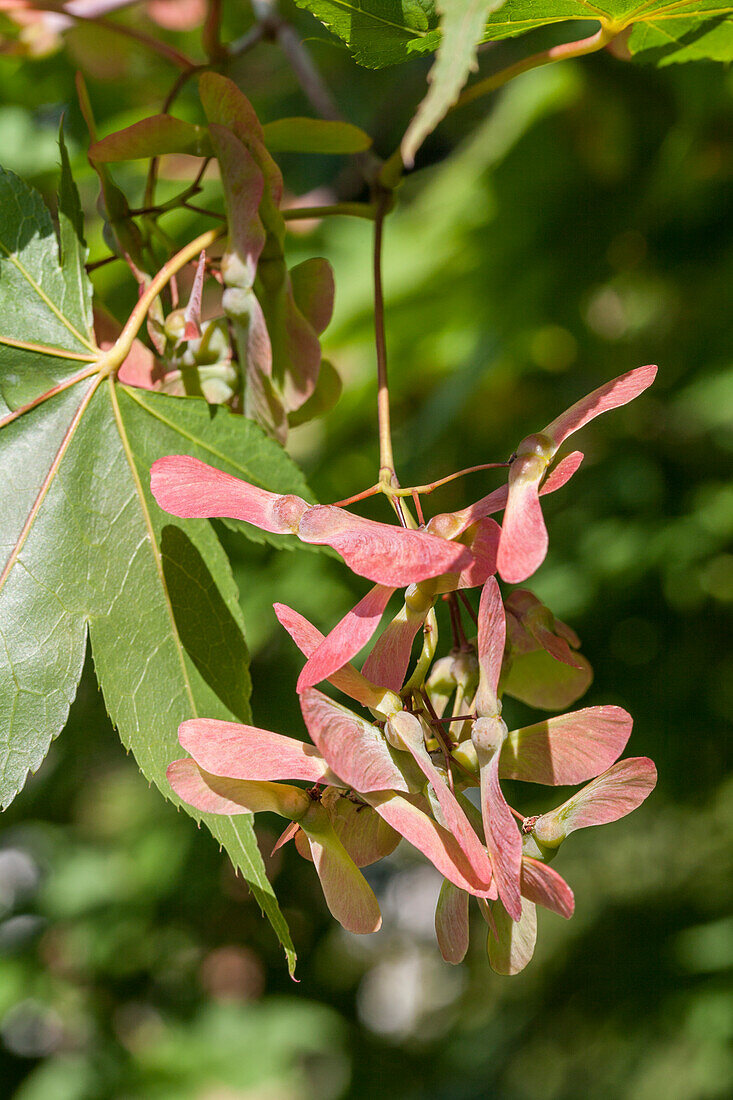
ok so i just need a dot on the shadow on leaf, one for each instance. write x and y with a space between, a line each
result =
207 628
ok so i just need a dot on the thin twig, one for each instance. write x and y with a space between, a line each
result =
163 49
453 604
349 209
431 486
168 102
468 606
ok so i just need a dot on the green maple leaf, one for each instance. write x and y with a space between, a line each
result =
385 32
84 548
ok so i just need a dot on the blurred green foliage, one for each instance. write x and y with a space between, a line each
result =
571 228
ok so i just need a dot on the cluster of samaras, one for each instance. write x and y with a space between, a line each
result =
404 770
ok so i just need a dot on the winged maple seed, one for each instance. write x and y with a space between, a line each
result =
404 768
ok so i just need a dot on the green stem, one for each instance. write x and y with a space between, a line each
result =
562 52
351 209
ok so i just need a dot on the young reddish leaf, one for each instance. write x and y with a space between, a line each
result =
363 833
244 752
387 663
543 886
619 391
451 923
430 838
490 645
226 105
612 795
244 185
348 895
557 647
188 487
513 944
346 679
346 638
567 749
354 749
537 625
214 794
192 313
152 137
449 525
288 834
500 830
406 732
381 552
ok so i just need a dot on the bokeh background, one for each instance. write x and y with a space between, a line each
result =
570 228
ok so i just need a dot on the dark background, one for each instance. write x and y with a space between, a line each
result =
571 228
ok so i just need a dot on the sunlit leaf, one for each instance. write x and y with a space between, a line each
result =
85 549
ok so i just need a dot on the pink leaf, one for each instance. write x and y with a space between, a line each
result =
612 795
612 395
387 663
347 679
363 833
430 838
355 750
348 895
567 749
451 923
289 833
212 794
523 544
543 886
557 647
381 552
346 638
449 525
491 639
405 728
513 946
484 546
187 487
538 626
503 839
244 752
483 542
